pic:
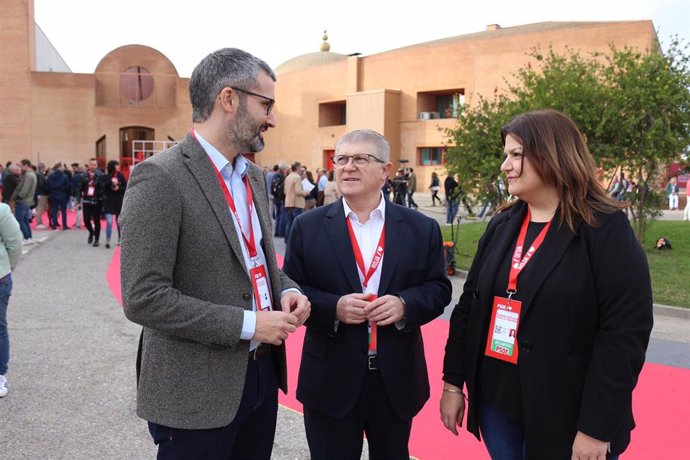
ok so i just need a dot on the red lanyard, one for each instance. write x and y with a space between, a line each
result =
378 255
251 243
519 262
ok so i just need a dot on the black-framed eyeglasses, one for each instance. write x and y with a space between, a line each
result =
361 159
270 101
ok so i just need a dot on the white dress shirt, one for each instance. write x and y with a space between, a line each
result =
234 180
368 235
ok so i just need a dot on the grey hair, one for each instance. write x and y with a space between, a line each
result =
225 67
382 149
15 167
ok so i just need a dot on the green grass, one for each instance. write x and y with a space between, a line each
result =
670 270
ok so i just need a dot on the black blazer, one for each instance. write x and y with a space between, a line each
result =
334 363
584 329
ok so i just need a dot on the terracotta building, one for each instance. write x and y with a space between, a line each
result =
135 94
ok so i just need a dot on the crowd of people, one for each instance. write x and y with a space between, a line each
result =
34 192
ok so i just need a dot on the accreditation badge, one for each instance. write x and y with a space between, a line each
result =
262 292
501 342
91 190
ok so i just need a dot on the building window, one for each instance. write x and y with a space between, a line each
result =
136 84
332 113
440 104
432 156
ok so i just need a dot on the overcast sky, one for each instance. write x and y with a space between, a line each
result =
84 31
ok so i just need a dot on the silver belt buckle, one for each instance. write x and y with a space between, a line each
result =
373 362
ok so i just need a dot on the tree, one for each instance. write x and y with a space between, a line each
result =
632 107
478 152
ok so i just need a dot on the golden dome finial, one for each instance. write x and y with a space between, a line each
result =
325 47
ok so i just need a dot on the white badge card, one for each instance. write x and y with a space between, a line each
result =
91 191
262 291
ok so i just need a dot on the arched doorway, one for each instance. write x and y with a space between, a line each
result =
127 154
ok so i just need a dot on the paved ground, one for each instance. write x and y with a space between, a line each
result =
72 360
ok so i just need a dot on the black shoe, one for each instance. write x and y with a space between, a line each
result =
107 245
90 240
95 244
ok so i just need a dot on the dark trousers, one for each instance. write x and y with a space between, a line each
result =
291 214
55 206
281 218
92 212
332 438
410 201
249 436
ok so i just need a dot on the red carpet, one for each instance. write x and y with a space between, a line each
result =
661 402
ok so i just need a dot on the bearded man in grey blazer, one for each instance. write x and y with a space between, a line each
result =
199 274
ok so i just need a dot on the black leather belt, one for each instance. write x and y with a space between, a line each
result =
259 352
373 363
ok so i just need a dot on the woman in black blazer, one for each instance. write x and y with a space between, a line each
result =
550 341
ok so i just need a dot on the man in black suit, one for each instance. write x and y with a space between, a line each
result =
379 275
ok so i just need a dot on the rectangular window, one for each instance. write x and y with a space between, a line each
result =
332 113
440 104
431 156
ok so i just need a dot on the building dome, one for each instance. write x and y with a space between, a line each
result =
311 59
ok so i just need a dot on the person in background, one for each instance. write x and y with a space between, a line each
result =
322 180
24 200
59 190
75 180
10 253
114 188
42 203
91 199
434 187
313 194
411 188
672 192
550 340
294 197
331 194
10 181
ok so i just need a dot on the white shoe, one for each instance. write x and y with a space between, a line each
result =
41 227
27 242
3 386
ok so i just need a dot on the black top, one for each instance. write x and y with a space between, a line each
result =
499 381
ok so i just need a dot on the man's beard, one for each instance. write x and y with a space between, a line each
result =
244 134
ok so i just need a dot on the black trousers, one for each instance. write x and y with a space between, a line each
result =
92 211
249 436
388 435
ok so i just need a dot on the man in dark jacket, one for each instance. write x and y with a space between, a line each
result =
10 180
91 195
60 189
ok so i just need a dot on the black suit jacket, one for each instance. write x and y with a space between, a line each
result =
334 363
584 329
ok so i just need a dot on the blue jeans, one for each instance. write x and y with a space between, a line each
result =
23 215
109 226
504 436
291 214
281 218
5 291
451 210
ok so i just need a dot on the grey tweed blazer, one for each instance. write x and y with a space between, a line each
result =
184 280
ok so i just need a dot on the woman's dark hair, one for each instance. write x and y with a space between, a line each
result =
111 166
557 150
